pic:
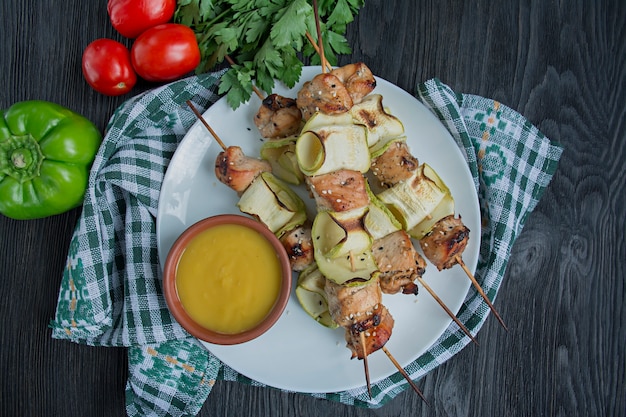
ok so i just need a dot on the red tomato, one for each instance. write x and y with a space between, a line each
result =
107 67
132 17
165 52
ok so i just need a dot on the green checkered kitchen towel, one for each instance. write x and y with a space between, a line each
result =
111 292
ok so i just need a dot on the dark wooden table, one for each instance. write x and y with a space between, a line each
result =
561 64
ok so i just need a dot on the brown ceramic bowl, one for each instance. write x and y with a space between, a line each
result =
171 294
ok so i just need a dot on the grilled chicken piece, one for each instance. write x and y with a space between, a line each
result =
278 117
299 246
394 165
447 240
324 93
235 169
399 263
349 304
377 329
338 191
358 80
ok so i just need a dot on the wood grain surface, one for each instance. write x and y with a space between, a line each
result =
562 64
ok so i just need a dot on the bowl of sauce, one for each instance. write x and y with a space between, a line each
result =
227 279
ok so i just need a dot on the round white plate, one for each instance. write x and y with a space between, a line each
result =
298 354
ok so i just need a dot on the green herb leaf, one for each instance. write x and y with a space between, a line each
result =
291 27
266 38
237 81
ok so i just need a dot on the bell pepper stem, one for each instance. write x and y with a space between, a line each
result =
21 157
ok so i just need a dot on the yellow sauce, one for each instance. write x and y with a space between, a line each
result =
228 278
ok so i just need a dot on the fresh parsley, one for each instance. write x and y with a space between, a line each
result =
266 39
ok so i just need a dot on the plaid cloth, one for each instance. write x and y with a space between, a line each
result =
111 291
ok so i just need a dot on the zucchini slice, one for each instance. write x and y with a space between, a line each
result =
415 200
273 203
380 124
333 147
312 297
341 234
281 154
379 221
342 246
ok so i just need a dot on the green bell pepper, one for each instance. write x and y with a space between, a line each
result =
46 152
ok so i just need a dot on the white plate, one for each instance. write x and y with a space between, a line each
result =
298 354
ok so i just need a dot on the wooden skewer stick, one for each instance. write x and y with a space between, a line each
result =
317 49
352 265
480 291
365 365
404 374
320 43
258 92
450 313
204 122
